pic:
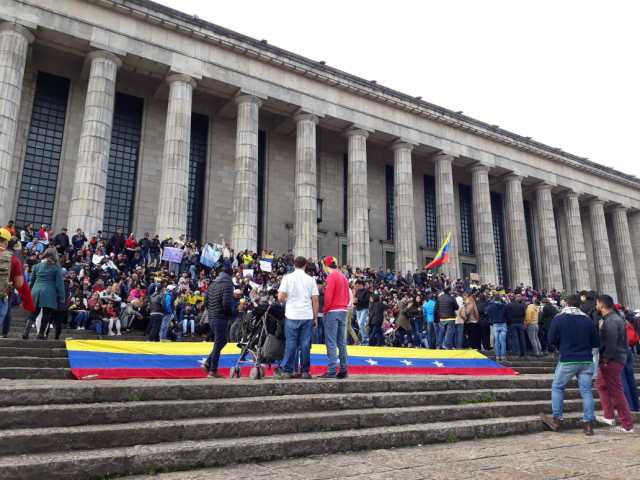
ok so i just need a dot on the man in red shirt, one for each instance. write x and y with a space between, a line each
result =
11 268
337 297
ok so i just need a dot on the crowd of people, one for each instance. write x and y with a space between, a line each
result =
117 283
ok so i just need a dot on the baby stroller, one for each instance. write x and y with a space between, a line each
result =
262 340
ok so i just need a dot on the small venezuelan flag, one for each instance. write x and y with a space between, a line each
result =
442 256
105 359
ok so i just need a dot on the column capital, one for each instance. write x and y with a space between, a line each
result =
596 201
95 54
542 186
569 194
443 157
16 27
181 77
479 167
512 178
401 145
306 117
619 208
245 98
352 132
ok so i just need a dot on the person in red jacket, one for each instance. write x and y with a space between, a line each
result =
12 278
337 298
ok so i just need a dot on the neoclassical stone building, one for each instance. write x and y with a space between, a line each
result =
127 113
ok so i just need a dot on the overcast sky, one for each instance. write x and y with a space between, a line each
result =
566 73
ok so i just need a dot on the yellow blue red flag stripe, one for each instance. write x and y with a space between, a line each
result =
104 359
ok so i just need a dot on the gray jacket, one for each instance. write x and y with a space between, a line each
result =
613 339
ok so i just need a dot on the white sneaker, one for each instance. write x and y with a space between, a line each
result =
606 421
621 430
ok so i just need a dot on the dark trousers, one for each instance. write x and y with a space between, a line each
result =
155 322
7 322
485 336
47 316
473 330
518 342
220 329
629 382
376 338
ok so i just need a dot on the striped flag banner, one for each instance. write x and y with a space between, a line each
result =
108 359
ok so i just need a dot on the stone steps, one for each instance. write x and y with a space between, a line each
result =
35 373
39 440
35 362
184 455
50 416
28 351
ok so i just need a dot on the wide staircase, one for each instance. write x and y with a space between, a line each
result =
64 429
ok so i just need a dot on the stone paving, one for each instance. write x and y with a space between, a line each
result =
568 455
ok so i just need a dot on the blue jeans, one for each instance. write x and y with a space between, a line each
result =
500 339
459 335
362 317
335 332
449 328
4 311
434 335
564 374
164 327
297 336
416 327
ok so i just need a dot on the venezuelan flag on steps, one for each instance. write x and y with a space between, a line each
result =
442 256
108 359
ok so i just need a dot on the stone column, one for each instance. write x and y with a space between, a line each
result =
576 251
551 274
634 227
405 223
358 200
244 229
516 233
86 209
14 46
629 293
605 278
483 225
446 213
174 183
306 196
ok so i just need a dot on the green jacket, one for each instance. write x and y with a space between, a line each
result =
47 285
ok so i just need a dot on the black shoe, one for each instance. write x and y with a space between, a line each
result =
325 376
25 337
342 374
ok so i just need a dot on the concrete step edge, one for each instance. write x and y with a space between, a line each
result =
116 391
197 454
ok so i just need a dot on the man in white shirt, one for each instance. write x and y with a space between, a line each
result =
300 293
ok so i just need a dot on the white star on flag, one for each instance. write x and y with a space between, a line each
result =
406 362
202 361
372 362
438 364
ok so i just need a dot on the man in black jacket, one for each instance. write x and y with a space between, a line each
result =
220 311
446 308
514 313
376 318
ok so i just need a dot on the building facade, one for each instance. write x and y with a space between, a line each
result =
125 113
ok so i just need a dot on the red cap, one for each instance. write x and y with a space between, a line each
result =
330 261
618 306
